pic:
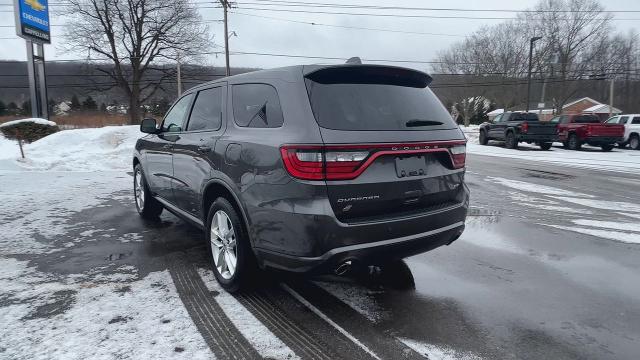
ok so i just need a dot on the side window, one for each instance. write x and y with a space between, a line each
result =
555 120
256 106
564 119
497 118
624 119
613 120
174 120
207 110
636 120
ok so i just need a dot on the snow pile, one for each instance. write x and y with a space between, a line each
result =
30 120
80 317
433 352
101 149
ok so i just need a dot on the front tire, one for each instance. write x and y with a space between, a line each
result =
545 146
634 142
148 207
510 141
483 139
574 143
232 259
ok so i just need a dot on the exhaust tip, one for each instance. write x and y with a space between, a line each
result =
343 268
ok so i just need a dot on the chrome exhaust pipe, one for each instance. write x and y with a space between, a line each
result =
343 268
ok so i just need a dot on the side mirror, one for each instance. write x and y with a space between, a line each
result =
149 126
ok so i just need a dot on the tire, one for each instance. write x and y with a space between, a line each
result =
510 140
148 207
634 142
607 147
622 145
545 146
232 259
573 143
483 139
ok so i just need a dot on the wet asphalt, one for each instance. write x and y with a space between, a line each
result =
512 287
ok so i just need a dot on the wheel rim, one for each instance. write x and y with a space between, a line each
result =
510 139
138 190
223 245
634 142
572 142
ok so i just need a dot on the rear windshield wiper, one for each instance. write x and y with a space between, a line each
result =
418 122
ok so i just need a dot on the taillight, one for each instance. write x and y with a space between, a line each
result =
458 155
346 162
524 128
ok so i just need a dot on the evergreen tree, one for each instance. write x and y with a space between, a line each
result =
75 103
3 108
103 107
89 104
25 109
12 108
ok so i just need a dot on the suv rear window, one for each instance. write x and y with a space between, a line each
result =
363 98
523 117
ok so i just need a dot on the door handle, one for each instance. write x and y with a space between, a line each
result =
204 149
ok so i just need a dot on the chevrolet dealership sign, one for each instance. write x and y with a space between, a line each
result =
32 20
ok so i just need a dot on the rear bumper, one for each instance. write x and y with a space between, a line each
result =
537 138
603 140
368 243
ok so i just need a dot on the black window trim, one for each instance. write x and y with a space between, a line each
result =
171 108
255 83
193 103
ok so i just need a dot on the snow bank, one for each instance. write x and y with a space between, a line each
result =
31 120
618 160
101 149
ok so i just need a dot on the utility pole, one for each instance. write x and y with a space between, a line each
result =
225 6
611 97
531 41
178 74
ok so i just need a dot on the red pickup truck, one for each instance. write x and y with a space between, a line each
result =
574 130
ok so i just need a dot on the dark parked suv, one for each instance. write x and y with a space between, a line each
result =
307 168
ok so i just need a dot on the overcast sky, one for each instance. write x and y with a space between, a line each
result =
281 37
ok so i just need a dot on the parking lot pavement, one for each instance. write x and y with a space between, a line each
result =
547 268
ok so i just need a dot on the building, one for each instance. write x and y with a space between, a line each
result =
584 105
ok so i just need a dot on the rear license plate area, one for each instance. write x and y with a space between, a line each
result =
411 166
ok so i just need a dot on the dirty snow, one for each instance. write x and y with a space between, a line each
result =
433 352
530 187
602 204
30 120
618 160
631 238
267 344
55 317
609 224
101 149
358 297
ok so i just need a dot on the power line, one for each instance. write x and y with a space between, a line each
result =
346 27
416 16
379 7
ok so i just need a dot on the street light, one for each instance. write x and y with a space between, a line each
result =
531 41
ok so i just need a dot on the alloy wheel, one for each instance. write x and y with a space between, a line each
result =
139 190
223 245
634 143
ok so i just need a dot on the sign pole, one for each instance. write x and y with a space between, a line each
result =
31 70
42 81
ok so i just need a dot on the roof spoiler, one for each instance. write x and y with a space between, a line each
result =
369 74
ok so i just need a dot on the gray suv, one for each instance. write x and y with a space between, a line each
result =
309 169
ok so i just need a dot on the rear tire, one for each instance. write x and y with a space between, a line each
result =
483 139
634 142
622 145
607 147
545 146
148 207
573 143
232 259
510 140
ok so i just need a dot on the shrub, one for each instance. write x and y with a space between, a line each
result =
28 131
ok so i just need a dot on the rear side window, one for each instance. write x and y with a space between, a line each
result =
256 106
383 102
174 121
207 110
624 119
636 120
587 119
523 117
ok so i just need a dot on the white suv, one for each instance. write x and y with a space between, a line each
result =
631 124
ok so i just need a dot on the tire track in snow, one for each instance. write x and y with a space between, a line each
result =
222 336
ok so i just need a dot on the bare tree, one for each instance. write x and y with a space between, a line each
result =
136 37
